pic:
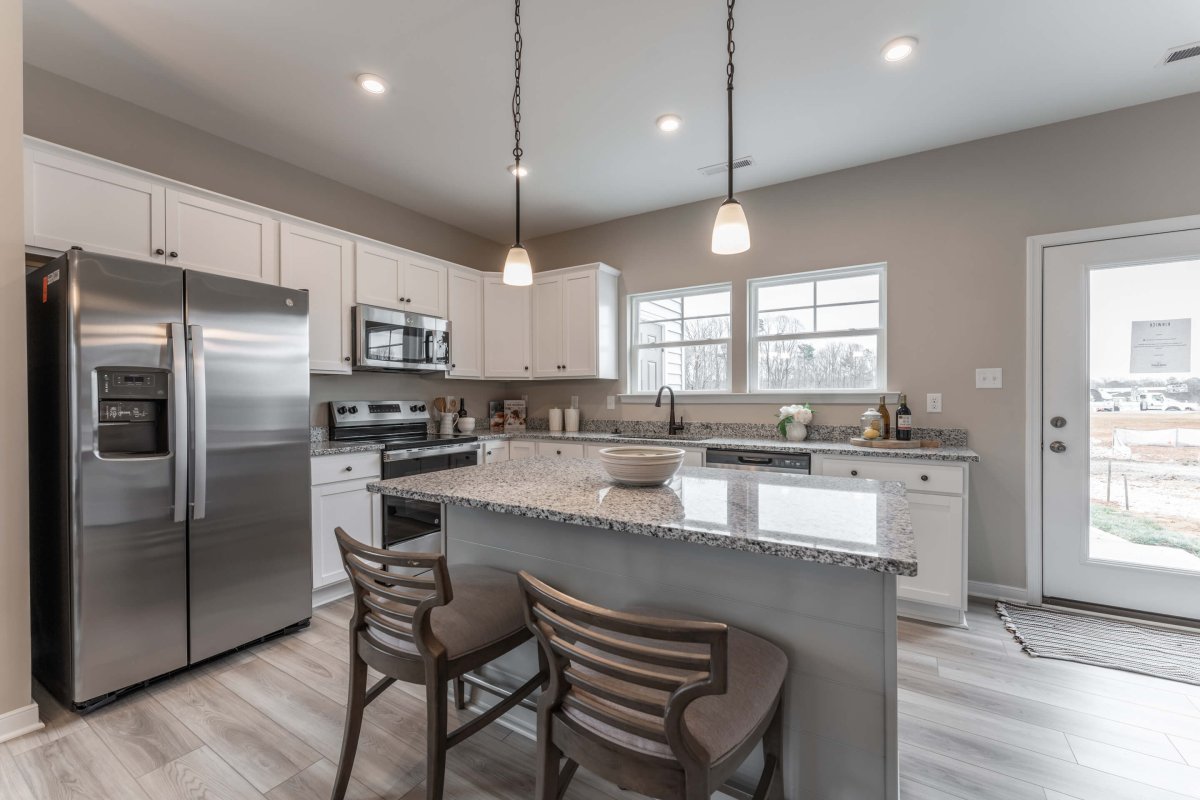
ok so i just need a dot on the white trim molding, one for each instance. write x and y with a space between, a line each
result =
1035 250
996 591
19 722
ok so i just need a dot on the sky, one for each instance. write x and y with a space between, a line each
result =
1120 295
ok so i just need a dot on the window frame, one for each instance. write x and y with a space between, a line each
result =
634 346
814 277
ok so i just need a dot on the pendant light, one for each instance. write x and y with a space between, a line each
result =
518 271
731 233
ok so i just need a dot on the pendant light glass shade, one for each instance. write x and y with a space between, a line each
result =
518 271
731 233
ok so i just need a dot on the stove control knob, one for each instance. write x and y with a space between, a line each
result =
421 407
414 408
353 409
341 410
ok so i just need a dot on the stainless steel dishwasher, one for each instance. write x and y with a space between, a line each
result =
759 460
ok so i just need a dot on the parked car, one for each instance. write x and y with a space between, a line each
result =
1181 405
1101 403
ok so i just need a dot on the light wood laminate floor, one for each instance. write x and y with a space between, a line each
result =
979 720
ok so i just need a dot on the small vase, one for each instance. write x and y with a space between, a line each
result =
796 432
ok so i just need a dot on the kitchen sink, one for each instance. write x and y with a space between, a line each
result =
678 437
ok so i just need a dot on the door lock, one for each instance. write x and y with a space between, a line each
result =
1057 447
1058 422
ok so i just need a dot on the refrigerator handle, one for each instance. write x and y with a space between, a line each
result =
199 423
179 420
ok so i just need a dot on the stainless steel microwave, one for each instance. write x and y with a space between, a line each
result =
386 340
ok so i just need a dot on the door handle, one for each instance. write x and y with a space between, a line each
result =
179 420
200 424
1057 447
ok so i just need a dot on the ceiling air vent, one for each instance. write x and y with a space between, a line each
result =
1183 52
721 168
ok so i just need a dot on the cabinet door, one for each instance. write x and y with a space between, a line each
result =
505 330
548 328
214 237
938 527
519 451
560 449
378 277
464 304
423 285
350 506
70 204
322 265
579 329
693 458
495 452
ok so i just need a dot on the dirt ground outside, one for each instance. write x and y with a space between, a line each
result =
1163 483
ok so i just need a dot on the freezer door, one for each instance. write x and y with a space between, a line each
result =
250 545
128 543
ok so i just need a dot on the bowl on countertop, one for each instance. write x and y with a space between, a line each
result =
641 465
466 424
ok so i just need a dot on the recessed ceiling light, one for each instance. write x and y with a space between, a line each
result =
372 83
669 123
899 49
512 170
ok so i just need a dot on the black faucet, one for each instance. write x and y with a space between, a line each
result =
673 427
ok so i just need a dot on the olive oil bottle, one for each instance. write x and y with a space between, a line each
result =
903 420
887 418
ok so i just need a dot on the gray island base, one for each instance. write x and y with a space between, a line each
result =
807 562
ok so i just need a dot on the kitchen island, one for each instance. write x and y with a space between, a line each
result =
807 562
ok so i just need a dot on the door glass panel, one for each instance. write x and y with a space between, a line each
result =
1144 410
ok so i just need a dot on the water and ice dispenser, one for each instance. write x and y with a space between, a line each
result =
132 412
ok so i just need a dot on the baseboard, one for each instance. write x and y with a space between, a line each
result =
19 722
926 612
327 594
997 591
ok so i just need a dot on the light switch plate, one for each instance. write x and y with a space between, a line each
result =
612 402
991 378
933 403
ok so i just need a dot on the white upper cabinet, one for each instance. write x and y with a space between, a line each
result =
506 330
393 278
323 265
575 323
210 236
464 304
71 203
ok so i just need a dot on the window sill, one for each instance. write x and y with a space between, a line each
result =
836 397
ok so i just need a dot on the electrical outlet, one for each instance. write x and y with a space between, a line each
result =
612 402
933 403
992 378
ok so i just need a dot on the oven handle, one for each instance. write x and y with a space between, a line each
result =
421 452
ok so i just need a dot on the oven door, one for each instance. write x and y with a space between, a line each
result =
415 526
393 340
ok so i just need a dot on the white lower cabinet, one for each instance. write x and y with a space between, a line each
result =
345 503
494 452
518 451
937 503
559 449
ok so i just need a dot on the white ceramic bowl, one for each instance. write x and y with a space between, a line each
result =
466 424
641 465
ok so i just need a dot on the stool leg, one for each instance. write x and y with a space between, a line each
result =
356 701
770 785
435 736
460 694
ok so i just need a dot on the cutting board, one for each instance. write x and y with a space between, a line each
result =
895 444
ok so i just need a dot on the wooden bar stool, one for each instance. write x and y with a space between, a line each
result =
665 706
426 630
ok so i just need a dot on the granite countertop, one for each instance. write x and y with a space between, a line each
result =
728 443
328 448
849 522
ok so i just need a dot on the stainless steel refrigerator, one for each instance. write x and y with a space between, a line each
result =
169 477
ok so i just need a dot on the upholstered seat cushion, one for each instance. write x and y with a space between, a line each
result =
720 723
487 606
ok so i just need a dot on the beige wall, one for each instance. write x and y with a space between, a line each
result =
952 226
73 115
14 486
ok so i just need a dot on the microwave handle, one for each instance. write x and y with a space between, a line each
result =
428 347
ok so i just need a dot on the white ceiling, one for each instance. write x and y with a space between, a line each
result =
813 95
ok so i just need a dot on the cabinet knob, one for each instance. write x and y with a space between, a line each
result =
558 452
159 251
854 472
173 254
526 367
454 366
347 358
924 477
349 469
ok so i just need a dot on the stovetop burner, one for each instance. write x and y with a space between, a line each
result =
396 424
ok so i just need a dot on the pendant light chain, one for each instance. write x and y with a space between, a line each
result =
729 89
516 110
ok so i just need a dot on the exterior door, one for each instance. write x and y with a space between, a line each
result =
249 546
1119 423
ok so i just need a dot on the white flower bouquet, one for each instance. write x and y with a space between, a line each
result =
800 413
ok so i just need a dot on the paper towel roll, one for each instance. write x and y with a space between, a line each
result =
556 420
571 419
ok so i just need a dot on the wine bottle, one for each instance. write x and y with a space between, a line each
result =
903 420
887 419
